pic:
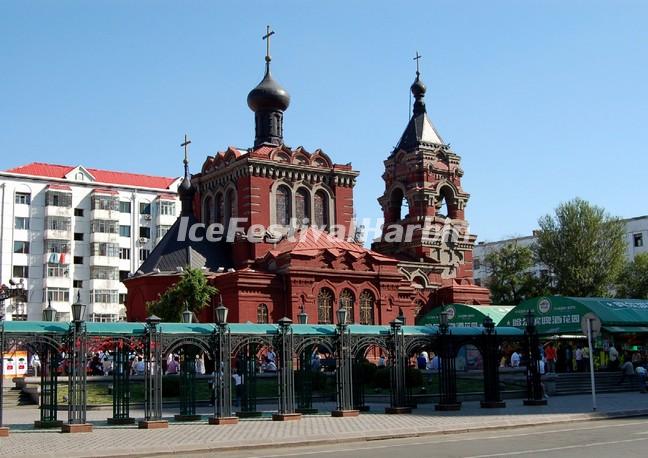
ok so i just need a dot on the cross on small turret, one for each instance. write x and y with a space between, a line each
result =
266 37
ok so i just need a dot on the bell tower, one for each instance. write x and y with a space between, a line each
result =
423 207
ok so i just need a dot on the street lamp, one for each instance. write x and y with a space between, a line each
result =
221 314
302 316
401 315
443 321
489 324
187 315
342 315
49 312
153 320
78 309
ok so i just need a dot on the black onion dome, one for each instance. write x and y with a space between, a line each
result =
418 88
185 186
268 96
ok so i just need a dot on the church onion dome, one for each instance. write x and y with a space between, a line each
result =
418 88
268 95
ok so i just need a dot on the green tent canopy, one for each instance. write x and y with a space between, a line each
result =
557 315
466 314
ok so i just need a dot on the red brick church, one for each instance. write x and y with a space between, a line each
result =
273 185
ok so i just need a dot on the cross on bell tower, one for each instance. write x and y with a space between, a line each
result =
423 195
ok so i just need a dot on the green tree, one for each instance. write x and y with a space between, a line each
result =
584 248
633 280
192 289
510 281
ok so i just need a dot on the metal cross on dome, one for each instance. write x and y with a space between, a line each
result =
266 37
185 145
418 56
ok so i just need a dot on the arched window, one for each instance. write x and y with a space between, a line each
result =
321 210
282 208
302 206
444 202
218 209
207 210
398 205
325 306
230 205
262 314
347 300
367 301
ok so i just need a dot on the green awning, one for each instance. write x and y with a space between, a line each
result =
466 314
562 315
626 329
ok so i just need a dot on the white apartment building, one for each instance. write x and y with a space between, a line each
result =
69 230
636 237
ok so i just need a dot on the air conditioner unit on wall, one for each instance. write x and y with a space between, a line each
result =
143 240
147 217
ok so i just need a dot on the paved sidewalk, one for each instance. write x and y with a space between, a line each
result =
198 436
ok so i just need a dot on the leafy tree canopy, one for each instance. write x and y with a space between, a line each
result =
633 280
193 289
510 280
584 248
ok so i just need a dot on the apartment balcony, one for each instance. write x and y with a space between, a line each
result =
99 283
108 261
53 210
110 215
104 237
57 282
165 220
103 308
57 234
57 258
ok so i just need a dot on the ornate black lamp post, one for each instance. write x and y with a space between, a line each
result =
490 355
153 377
4 431
344 368
222 381
535 395
77 378
397 366
284 342
48 417
447 372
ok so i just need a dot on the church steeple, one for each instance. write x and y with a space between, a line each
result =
268 101
420 129
186 190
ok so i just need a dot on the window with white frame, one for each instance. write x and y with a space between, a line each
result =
104 296
105 226
104 273
56 294
21 222
23 198
57 270
167 208
104 249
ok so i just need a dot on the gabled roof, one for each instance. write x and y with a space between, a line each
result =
176 250
41 169
419 130
311 241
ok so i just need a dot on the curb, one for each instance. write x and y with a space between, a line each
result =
364 437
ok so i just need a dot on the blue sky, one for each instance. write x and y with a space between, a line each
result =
544 100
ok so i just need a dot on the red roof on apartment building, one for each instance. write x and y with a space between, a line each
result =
41 169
